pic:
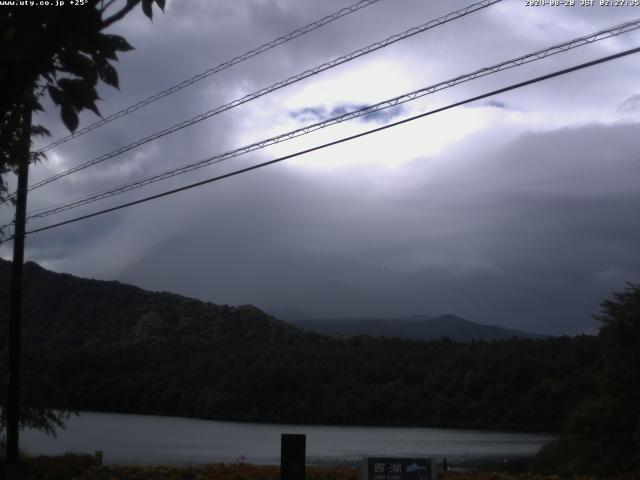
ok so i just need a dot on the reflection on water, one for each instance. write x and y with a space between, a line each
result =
144 439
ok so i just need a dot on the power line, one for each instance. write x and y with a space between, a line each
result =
212 71
283 83
395 101
342 140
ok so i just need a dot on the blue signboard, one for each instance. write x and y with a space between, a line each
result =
384 468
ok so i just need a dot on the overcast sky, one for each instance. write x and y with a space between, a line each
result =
520 210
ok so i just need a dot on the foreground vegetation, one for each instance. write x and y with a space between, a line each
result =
252 472
61 467
80 467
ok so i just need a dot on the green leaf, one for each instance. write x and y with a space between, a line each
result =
79 65
79 94
109 75
146 8
93 107
69 116
56 94
118 43
40 131
161 4
105 47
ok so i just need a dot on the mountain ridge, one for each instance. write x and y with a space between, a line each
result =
418 327
64 311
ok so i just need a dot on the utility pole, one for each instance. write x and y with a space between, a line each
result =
15 306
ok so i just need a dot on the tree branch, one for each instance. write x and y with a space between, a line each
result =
104 8
119 15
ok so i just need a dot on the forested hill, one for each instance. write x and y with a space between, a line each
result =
62 311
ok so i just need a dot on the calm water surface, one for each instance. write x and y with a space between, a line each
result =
148 440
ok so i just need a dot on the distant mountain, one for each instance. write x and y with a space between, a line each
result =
414 328
288 314
63 311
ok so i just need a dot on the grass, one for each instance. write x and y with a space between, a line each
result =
60 467
259 472
85 467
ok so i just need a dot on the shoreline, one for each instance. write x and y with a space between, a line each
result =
442 426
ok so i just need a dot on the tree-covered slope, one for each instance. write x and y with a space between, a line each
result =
513 384
62 311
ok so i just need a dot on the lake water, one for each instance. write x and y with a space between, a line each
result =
148 440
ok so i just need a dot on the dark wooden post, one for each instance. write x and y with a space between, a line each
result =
292 456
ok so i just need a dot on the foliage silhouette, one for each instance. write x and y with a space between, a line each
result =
60 51
63 52
601 435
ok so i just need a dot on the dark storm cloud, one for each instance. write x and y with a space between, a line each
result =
317 114
496 104
310 114
381 116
